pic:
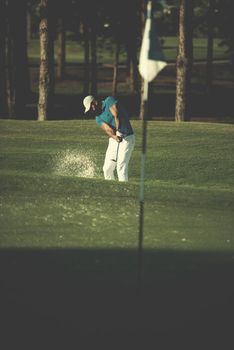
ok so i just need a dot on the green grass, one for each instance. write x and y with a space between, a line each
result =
199 47
105 50
189 187
68 244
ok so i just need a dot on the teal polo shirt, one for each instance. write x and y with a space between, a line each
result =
107 117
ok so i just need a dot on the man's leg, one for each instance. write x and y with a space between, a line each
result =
124 155
110 165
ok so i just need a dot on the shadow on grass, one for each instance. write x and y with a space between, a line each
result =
90 299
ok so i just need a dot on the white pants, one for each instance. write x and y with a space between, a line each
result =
117 157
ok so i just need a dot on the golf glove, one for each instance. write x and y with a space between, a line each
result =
120 139
119 135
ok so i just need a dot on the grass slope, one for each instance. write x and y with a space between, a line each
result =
68 238
189 187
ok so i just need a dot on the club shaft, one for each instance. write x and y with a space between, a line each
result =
117 152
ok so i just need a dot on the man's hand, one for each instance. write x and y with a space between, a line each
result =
111 132
119 139
119 136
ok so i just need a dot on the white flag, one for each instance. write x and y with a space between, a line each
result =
151 60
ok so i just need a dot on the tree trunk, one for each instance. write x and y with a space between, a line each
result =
46 76
210 42
132 59
93 43
3 92
23 66
86 57
29 25
142 103
10 70
128 68
115 68
18 74
130 37
61 54
184 62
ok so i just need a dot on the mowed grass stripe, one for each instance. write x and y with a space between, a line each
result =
189 187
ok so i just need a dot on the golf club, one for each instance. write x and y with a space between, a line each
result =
117 151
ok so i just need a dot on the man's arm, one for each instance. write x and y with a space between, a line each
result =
110 132
114 111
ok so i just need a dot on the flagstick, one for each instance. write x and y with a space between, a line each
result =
142 185
149 67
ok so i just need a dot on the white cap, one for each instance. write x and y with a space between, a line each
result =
87 102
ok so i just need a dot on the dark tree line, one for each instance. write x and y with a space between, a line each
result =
14 85
3 63
126 24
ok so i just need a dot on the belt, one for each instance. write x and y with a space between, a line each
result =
125 135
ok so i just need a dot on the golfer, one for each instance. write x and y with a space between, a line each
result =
113 119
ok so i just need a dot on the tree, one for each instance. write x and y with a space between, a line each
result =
118 39
93 46
86 37
210 44
115 67
224 18
131 35
29 22
64 11
10 86
17 72
46 78
61 53
142 24
3 95
184 61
